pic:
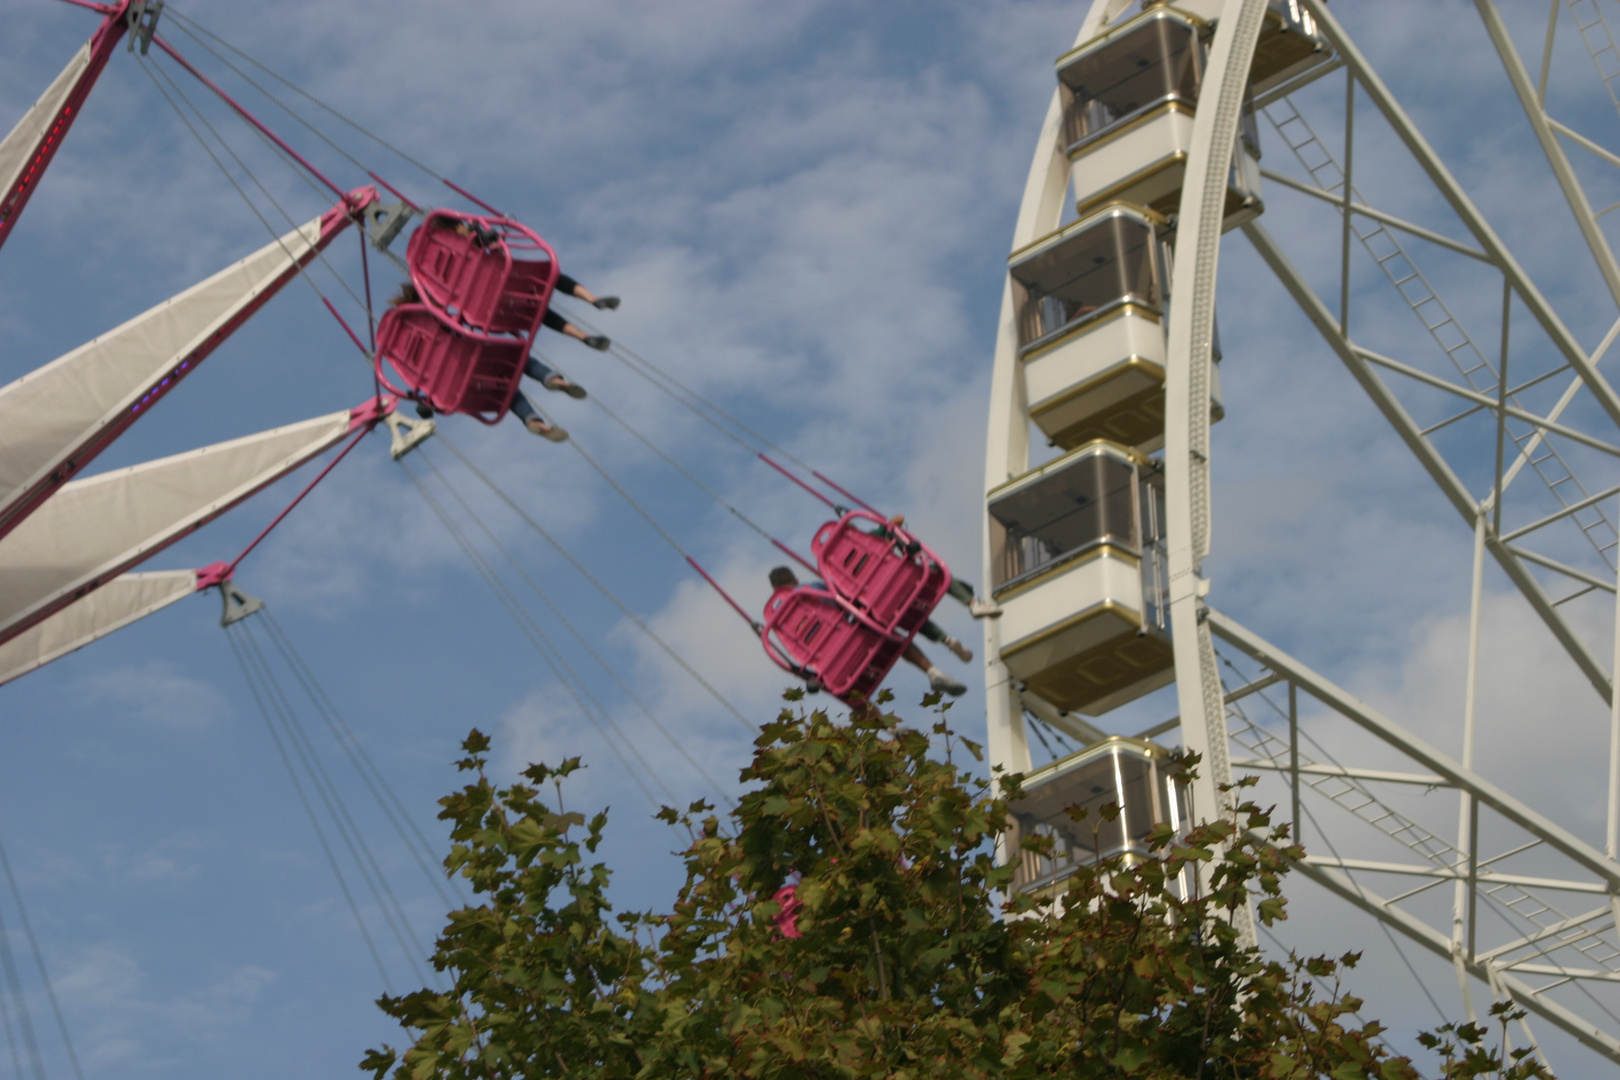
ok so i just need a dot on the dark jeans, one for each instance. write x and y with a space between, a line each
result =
523 408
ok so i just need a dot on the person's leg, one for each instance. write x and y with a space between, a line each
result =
962 592
938 681
525 411
552 379
554 321
934 632
569 287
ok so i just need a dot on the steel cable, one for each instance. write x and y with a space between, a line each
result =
373 778
597 583
584 642
349 832
314 820
542 645
39 962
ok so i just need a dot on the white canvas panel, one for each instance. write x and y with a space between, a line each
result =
115 605
95 528
49 414
20 144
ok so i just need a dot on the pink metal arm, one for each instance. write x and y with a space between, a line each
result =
76 457
249 117
106 37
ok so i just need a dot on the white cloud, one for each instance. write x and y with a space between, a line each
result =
156 693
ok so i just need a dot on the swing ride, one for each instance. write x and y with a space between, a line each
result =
1149 161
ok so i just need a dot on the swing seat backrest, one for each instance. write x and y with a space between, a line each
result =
807 629
881 569
452 369
504 288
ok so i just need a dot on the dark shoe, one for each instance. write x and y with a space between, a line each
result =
598 342
606 303
566 386
539 427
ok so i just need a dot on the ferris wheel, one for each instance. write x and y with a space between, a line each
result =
1148 167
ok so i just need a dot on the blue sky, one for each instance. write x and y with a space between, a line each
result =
806 209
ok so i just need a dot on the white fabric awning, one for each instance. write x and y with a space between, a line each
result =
115 605
56 418
94 529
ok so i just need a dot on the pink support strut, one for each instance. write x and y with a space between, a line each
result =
834 506
470 197
738 608
364 417
249 117
857 500
393 191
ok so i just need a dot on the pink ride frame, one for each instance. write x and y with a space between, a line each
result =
464 347
881 589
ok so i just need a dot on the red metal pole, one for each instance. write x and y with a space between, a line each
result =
249 117
801 483
101 47
734 605
464 193
353 442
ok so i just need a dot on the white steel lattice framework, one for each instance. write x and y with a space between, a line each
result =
1521 433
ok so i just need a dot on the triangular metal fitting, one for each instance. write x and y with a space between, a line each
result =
407 434
143 18
383 223
238 604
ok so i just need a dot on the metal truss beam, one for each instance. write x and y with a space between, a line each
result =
1441 765
1491 966
1543 127
1465 209
1529 997
1438 469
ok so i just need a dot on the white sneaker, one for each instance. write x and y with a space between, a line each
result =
984 609
942 683
963 653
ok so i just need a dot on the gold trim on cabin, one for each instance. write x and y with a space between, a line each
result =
1108 135
1087 322
1151 368
1154 12
1098 550
1153 217
1136 457
1097 610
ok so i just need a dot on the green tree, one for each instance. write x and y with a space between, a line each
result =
892 955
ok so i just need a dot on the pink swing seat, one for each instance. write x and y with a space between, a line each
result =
886 574
504 288
453 369
809 632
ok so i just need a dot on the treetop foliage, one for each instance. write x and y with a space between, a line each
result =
849 919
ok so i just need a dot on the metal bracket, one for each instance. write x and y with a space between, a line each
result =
143 20
238 605
407 434
383 223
